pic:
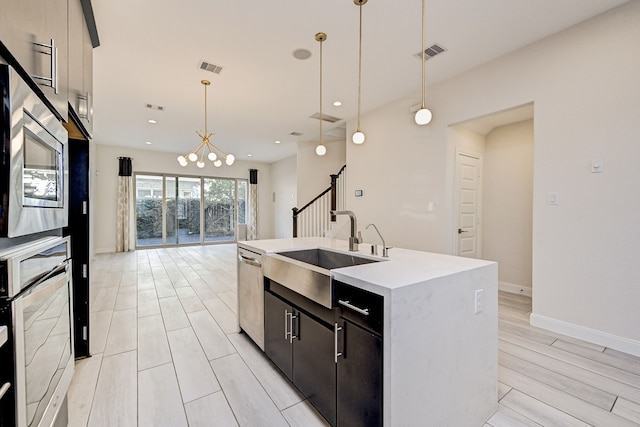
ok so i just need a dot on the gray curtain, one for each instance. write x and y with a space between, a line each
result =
125 236
252 222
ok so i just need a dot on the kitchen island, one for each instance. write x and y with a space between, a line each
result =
438 332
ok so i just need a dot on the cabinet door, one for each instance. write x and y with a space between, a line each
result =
87 67
276 339
23 22
314 367
19 21
55 27
359 394
75 70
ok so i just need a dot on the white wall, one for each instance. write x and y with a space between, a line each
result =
314 170
284 190
587 106
105 179
508 202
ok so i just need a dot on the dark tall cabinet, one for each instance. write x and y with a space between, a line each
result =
78 230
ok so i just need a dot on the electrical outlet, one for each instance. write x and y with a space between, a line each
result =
479 301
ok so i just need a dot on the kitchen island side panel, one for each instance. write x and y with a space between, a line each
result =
441 359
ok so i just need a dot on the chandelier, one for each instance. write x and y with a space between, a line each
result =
207 148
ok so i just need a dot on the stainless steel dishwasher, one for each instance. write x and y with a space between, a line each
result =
251 295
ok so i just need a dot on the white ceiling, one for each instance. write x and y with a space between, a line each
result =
150 50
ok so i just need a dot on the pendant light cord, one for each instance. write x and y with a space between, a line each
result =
321 117
359 67
205 110
422 54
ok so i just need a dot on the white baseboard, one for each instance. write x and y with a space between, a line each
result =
105 250
586 334
514 289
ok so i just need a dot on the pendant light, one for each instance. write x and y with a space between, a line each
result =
358 136
213 153
321 150
423 115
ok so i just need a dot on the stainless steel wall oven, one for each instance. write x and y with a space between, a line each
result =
34 173
35 293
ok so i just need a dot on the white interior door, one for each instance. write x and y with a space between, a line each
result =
468 169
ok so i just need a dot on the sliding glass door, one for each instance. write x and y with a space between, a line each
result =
148 210
219 210
179 210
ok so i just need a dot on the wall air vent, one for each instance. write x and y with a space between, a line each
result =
154 107
431 51
325 117
207 66
294 133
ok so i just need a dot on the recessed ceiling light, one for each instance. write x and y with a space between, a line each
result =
153 122
249 155
277 142
148 142
302 54
337 103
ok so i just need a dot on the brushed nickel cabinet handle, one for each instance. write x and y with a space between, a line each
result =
52 81
336 328
347 304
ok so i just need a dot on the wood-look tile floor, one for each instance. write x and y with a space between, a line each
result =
166 353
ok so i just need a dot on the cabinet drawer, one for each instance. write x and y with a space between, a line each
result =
361 307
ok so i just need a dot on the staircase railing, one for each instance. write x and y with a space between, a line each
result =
313 218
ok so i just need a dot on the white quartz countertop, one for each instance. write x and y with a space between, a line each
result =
404 267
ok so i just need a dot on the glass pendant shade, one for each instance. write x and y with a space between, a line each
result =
321 150
230 159
358 137
200 164
217 163
192 157
181 159
212 156
423 116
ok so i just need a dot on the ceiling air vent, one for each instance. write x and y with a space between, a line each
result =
295 133
431 51
325 117
154 107
207 66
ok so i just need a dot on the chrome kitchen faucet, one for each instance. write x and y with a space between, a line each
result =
355 238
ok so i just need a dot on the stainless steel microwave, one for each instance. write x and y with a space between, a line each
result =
34 176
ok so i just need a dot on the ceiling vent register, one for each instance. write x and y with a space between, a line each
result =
207 66
154 107
431 51
325 117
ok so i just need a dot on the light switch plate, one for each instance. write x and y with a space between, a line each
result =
553 198
597 166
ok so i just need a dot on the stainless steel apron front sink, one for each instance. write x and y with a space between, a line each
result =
308 272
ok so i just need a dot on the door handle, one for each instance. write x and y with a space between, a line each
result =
460 231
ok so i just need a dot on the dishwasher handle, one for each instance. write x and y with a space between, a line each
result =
250 261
